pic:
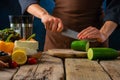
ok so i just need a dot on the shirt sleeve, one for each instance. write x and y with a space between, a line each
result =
25 3
113 11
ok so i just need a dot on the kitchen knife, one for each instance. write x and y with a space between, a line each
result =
73 34
70 33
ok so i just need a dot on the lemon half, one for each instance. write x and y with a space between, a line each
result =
19 56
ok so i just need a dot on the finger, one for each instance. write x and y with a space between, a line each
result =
84 32
79 35
93 32
54 26
50 24
46 24
60 27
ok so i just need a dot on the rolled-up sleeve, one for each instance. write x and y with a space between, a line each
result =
113 11
25 3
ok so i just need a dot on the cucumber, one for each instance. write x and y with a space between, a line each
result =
80 45
102 53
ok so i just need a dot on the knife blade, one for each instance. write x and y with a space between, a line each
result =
70 33
73 34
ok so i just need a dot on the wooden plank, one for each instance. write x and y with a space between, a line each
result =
25 72
66 53
7 74
83 69
49 68
112 67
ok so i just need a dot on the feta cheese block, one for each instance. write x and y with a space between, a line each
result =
30 47
27 50
28 44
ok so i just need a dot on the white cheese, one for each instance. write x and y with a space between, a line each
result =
28 44
30 47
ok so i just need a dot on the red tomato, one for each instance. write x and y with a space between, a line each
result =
13 64
32 60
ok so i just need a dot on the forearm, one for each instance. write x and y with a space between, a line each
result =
108 28
26 3
36 10
50 22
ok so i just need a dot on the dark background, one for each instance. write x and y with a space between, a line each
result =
12 7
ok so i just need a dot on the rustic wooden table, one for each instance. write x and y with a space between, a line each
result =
53 68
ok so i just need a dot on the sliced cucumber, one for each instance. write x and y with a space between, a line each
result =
102 53
80 45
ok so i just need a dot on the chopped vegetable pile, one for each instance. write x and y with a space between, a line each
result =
7 32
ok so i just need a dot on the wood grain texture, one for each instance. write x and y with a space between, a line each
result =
66 53
25 72
49 68
112 67
7 74
83 69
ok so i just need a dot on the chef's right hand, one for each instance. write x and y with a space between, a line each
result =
52 23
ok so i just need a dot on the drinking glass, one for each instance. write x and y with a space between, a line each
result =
15 23
27 26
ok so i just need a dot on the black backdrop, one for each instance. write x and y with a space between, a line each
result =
8 7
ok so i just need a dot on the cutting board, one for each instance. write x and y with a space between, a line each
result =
66 53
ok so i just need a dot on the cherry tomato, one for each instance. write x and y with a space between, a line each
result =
32 60
13 64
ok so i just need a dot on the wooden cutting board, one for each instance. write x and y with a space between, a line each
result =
66 53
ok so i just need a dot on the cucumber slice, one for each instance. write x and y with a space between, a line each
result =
80 45
102 53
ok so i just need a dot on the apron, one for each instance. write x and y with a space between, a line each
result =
76 15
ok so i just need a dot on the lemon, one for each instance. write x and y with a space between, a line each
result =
19 56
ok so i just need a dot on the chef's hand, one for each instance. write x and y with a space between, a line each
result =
92 33
2 64
52 23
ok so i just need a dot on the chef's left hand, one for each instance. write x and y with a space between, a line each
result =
92 33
